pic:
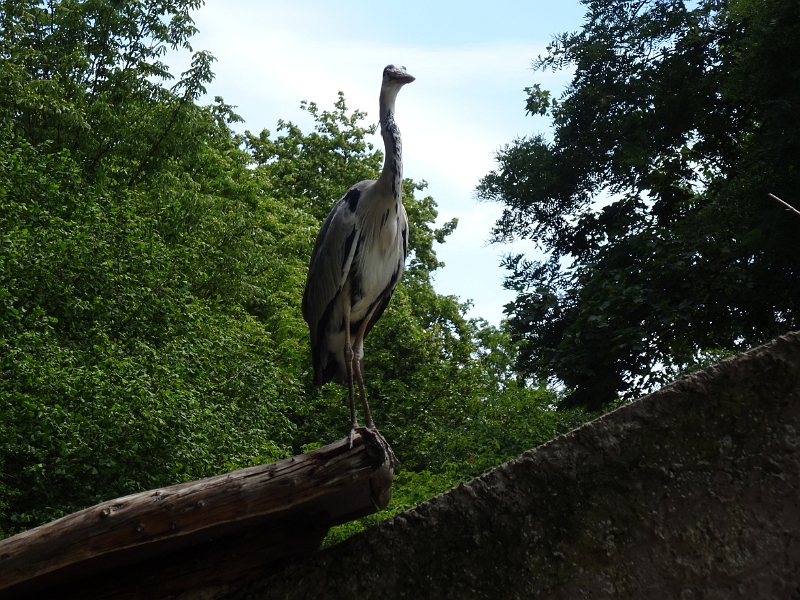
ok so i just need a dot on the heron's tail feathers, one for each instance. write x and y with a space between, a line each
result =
327 370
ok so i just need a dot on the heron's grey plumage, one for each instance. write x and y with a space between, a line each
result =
358 259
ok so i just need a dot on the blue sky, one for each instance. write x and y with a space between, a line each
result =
471 60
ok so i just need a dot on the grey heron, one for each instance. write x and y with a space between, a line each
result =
357 260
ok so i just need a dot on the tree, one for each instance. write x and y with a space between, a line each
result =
131 248
650 200
152 263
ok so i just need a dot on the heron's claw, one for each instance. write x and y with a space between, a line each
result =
375 436
353 431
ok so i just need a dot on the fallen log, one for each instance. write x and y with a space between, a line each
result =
156 543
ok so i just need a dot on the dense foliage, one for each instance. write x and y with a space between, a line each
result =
133 240
152 263
651 199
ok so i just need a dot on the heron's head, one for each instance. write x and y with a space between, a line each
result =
394 76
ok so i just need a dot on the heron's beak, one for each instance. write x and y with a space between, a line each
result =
405 78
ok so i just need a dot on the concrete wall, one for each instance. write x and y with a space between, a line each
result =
691 492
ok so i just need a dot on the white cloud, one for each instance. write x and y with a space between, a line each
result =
466 103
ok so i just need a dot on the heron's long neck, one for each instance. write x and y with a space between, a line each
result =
392 175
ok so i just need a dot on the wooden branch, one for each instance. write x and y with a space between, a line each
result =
788 206
212 530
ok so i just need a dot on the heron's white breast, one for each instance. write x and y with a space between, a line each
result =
377 261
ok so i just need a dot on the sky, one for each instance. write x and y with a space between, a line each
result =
472 61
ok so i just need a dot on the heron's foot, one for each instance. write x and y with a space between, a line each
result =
353 431
375 438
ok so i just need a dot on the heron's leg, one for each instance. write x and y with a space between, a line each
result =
359 342
360 380
348 364
370 431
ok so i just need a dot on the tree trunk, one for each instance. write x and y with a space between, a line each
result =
206 532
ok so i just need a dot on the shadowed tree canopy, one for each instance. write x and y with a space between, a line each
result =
650 200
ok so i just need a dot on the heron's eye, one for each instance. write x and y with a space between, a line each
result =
403 68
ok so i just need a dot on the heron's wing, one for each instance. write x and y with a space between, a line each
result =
404 231
331 260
